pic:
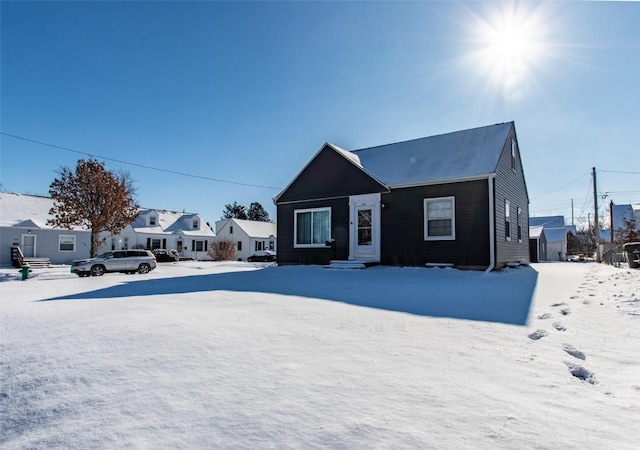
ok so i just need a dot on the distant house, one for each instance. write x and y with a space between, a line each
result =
184 232
537 244
249 236
622 214
556 235
455 199
23 224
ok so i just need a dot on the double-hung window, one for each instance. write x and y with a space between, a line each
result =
519 222
513 155
66 243
312 227
439 218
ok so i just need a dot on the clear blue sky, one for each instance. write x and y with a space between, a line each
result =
248 92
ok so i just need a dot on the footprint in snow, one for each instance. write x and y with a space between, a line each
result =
581 373
558 326
560 304
545 316
570 349
538 334
565 311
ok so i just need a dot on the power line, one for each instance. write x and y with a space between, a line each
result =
619 171
562 187
92 155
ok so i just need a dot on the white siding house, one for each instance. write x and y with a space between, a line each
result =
23 223
184 232
250 236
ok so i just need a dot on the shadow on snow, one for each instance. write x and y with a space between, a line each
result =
503 297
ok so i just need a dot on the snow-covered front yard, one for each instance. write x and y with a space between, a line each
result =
239 355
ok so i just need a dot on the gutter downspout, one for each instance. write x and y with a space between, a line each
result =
492 225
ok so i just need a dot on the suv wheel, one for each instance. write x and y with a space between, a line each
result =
144 268
97 271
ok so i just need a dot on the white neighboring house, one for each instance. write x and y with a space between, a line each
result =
23 223
250 236
184 232
556 235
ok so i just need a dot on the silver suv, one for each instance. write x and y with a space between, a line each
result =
127 261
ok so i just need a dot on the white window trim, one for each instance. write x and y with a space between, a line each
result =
295 228
66 236
514 162
507 220
452 236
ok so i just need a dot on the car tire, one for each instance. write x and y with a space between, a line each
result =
97 271
144 268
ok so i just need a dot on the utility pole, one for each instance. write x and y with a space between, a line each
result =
572 222
596 227
611 220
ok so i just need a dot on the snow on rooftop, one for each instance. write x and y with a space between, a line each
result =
536 231
462 154
24 210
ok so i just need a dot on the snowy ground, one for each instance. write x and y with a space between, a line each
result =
234 355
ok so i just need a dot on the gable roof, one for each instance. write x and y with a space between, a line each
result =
547 221
466 154
621 213
536 232
170 222
253 228
27 211
462 154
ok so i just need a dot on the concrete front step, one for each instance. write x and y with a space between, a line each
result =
351 264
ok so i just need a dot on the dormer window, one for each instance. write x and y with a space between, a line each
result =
195 225
152 221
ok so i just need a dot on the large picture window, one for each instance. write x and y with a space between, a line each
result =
439 218
312 227
66 243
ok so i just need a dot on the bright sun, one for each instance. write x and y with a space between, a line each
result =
510 45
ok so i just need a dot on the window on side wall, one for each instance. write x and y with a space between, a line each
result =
312 227
507 220
519 222
66 243
239 246
439 219
513 155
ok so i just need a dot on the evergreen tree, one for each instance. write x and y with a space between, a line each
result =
234 211
258 213
94 198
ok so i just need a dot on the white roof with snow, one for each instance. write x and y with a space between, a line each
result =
459 155
26 211
536 232
252 228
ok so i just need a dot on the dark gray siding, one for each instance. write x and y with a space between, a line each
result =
402 237
510 185
329 175
287 254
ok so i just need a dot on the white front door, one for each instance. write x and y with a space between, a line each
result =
364 215
29 245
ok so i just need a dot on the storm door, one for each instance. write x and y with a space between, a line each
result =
29 245
365 227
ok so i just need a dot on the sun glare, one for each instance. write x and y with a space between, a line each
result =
510 45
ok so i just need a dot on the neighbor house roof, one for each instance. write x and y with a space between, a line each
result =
27 211
459 155
547 221
621 213
535 232
170 222
252 228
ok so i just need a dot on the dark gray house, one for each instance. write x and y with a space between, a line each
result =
455 199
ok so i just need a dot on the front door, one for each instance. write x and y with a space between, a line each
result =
364 232
29 245
364 217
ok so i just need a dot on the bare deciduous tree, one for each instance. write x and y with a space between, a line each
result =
94 198
222 251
